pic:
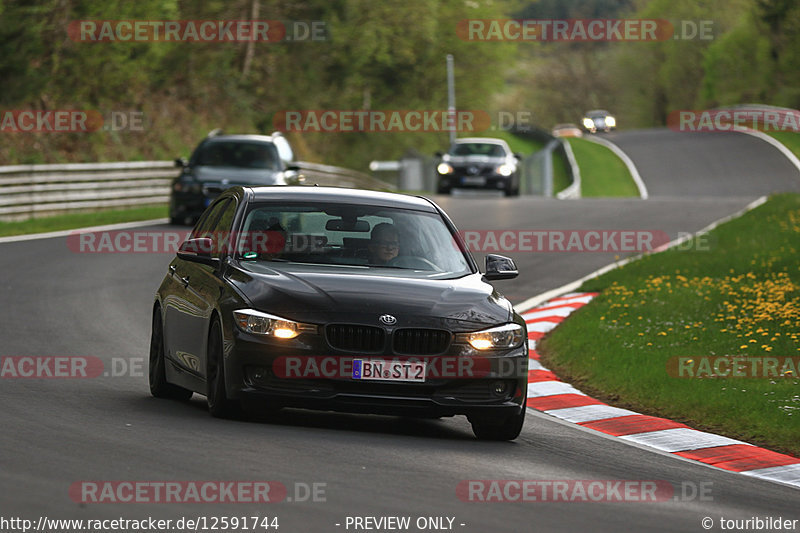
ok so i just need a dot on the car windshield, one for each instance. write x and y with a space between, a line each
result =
239 154
485 149
332 235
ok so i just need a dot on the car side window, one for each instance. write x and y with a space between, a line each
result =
222 228
209 219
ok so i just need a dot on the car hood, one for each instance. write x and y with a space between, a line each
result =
232 176
349 296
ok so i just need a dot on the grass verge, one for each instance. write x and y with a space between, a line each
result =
518 144
602 172
82 220
789 139
561 178
735 293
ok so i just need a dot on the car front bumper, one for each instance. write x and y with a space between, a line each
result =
253 374
490 182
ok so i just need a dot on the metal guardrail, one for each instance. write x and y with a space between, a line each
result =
538 167
340 177
27 191
574 190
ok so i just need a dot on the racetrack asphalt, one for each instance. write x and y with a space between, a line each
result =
57 432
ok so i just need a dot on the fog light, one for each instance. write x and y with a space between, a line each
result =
500 388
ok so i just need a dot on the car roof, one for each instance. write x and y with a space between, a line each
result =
483 140
486 140
341 195
241 137
598 112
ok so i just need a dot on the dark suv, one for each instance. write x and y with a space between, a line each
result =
223 161
479 163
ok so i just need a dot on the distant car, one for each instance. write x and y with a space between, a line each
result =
479 163
223 161
599 120
567 130
294 297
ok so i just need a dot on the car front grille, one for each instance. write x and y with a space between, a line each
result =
355 337
415 341
473 170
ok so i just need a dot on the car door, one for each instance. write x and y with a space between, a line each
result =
207 284
187 306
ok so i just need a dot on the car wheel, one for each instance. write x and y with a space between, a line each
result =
159 387
507 428
216 393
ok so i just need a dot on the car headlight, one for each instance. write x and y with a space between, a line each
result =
588 123
504 170
444 168
258 323
611 122
497 338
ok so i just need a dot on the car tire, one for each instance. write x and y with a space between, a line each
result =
507 428
159 386
216 392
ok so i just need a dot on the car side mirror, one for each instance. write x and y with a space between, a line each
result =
198 250
294 175
518 155
500 267
438 154
181 162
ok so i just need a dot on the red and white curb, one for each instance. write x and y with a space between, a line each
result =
548 394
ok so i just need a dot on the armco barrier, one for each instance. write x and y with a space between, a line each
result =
27 191
538 175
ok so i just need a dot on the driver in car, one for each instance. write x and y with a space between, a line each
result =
384 244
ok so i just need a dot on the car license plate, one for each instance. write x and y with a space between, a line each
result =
473 180
382 370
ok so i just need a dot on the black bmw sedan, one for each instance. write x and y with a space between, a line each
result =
338 299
